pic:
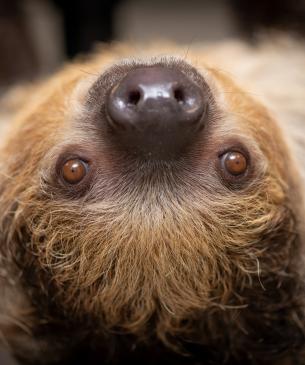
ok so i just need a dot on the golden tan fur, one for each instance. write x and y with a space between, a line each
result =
155 254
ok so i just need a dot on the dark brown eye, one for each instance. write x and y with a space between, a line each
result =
74 171
235 163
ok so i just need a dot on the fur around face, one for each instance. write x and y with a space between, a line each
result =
157 255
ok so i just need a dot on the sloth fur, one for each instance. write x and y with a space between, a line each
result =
156 262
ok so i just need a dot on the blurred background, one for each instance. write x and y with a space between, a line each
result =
37 36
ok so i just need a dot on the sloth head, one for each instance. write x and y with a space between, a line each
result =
148 193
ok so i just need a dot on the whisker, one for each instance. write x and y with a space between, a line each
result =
88 73
189 47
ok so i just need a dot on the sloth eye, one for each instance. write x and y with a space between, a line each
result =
235 163
74 171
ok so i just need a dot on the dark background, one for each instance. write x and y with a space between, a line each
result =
37 36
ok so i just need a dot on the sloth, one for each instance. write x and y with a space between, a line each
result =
151 208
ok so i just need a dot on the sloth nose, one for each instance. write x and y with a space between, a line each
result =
156 112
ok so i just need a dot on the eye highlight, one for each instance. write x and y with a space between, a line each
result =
234 162
74 171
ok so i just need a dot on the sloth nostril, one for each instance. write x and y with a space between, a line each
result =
179 95
134 97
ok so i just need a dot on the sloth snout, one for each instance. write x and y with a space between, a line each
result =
156 111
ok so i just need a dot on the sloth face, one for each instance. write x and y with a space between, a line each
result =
148 194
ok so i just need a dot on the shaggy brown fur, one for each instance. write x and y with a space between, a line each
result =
156 261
